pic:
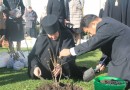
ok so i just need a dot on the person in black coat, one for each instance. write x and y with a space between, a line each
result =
128 14
14 26
114 40
57 7
117 9
54 38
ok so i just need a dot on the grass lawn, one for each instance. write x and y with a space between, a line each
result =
18 80
3 49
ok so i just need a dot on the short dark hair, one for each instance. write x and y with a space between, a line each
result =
86 20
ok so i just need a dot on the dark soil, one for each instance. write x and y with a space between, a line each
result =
114 82
60 87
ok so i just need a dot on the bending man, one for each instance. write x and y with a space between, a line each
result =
114 40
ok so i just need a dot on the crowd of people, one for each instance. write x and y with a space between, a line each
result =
57 41
25 24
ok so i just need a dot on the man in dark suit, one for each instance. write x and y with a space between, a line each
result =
57 7
55 37
117 9
114 40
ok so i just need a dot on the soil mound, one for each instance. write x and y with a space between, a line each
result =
61 86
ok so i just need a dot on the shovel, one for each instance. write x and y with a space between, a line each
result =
90 73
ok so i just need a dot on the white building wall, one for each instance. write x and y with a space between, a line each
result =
93 6
40 7
27 3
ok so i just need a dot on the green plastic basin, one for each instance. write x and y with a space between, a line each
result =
103 86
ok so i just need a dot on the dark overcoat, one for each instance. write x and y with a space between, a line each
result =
117 10
128 14
57 7
40 55
114 40
14 27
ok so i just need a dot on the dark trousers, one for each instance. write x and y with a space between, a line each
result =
2 32
62 22
31 32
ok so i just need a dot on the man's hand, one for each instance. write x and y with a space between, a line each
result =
64 52
37 71
101 67
57 69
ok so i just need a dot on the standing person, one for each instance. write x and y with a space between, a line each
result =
128 13
114 40
2 21
57 7
117 9
30 19
14 23
55 39
75 15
